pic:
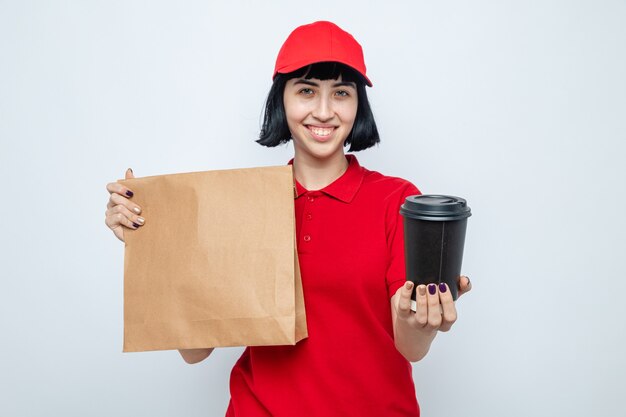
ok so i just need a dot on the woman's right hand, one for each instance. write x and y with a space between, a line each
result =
121 212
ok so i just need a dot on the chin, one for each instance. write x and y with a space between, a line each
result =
323 153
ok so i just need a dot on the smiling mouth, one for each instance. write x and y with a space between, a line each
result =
321 131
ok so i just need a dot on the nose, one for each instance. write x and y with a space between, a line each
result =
323 110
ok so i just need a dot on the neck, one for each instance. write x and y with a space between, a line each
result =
315 174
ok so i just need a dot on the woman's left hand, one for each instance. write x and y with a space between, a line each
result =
435 307
465 285
415 331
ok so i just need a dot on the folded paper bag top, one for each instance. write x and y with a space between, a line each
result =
216 262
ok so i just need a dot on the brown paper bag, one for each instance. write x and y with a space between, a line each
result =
215 263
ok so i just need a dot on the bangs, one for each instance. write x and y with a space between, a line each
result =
328 71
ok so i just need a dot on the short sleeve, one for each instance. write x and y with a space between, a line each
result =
396 275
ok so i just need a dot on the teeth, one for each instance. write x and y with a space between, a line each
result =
319 131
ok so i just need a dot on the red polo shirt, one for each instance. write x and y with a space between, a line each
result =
350 244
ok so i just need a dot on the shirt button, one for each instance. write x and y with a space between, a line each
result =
309 216
311 199
307 238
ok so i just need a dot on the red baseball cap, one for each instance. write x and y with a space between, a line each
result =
320 42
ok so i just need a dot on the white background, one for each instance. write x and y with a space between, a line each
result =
520 107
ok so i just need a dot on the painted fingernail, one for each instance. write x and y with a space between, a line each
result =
141 220
408 285
422 289
137 210
131 170
136 225
432 289
129 193
468 281
443 287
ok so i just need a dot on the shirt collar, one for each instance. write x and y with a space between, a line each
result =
343 188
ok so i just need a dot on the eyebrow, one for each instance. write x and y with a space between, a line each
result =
337 84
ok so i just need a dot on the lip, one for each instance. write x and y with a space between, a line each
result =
318 128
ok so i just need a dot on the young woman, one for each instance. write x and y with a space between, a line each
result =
362 332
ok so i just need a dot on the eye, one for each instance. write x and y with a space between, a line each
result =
342 93
305 91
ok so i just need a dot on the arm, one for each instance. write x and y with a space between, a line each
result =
414 332
192 356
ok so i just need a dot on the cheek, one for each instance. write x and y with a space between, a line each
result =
294 112
348 113
294 120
